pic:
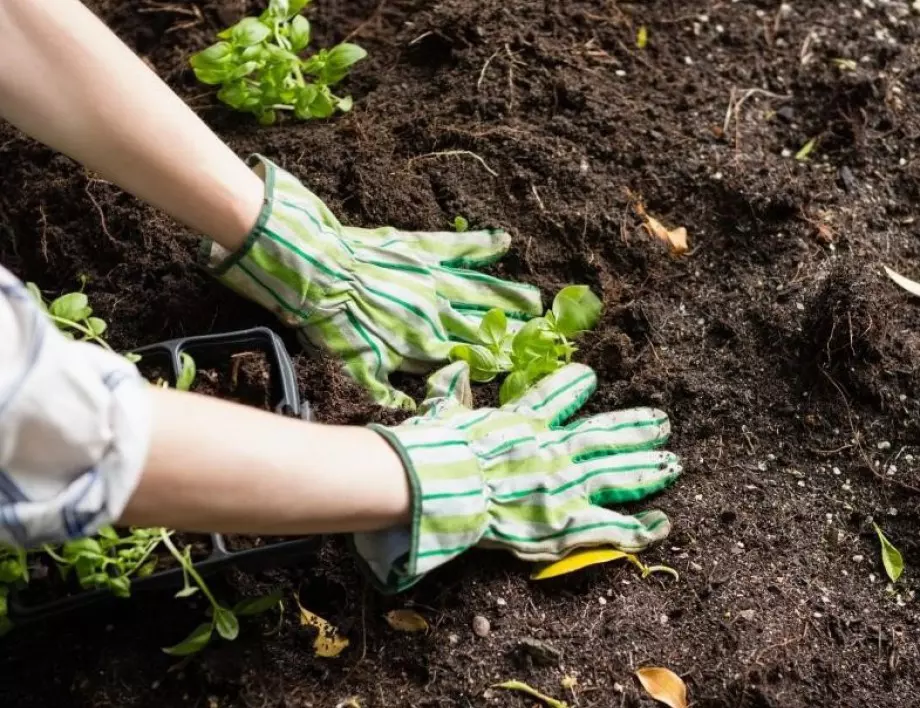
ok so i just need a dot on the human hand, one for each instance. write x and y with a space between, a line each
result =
381 300
516 478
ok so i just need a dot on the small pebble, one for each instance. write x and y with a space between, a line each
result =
481 626
836 471
620 72
663 619
884 445
602 600
501 602
747 615
453 638
786 152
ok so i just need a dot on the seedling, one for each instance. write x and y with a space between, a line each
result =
540 347
108 560
461 224
258 66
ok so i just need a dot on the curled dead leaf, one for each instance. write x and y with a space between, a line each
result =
328 643
664 686
674 239
406 621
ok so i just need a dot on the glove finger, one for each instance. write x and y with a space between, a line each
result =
611 433
448 388
468 249
365 357
586 527
628 477
559 395
470 292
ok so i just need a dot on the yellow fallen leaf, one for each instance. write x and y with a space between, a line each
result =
642 37
406 621
664 686
579 559
909 285
524 688
328 644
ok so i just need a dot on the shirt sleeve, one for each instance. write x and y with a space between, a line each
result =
74 427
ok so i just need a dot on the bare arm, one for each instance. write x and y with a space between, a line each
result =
69 82
247 471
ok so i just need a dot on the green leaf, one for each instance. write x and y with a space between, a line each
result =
514 385
345 55
216 56
806 150
891 557
493 328
147 568
322 106
108 533
345 104
132 357
300 33
536 340
120 586
194 642
96 325
266 117
483 365
576 309
257 605
460 224
72 306
305 98
244 69
11 570
187 374
82 547
187 591
248 31
228 626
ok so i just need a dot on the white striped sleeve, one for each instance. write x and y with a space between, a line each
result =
74 427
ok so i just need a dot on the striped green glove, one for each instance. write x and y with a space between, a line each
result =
516 478
380 300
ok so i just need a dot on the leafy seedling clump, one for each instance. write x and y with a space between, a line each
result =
258 65
540 347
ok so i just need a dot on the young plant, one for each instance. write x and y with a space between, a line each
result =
108 561
14 572
258 66
540 347
223 620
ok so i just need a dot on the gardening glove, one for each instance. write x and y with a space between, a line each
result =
379 299
516 478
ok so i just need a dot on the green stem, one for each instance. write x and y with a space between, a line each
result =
188 567
86 331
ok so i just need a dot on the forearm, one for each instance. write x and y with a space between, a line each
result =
216 466
69 82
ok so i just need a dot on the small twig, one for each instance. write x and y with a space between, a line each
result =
360 28
510 77
105 228
455 153
804 53
482 74
536 194
174 9
44 238
735 106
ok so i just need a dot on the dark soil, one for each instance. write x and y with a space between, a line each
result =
787 361
244 377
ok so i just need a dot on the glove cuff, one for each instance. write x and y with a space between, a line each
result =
292 255
449 507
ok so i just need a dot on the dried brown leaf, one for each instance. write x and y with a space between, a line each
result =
406 621
664 686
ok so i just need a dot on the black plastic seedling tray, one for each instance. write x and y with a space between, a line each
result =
207 350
